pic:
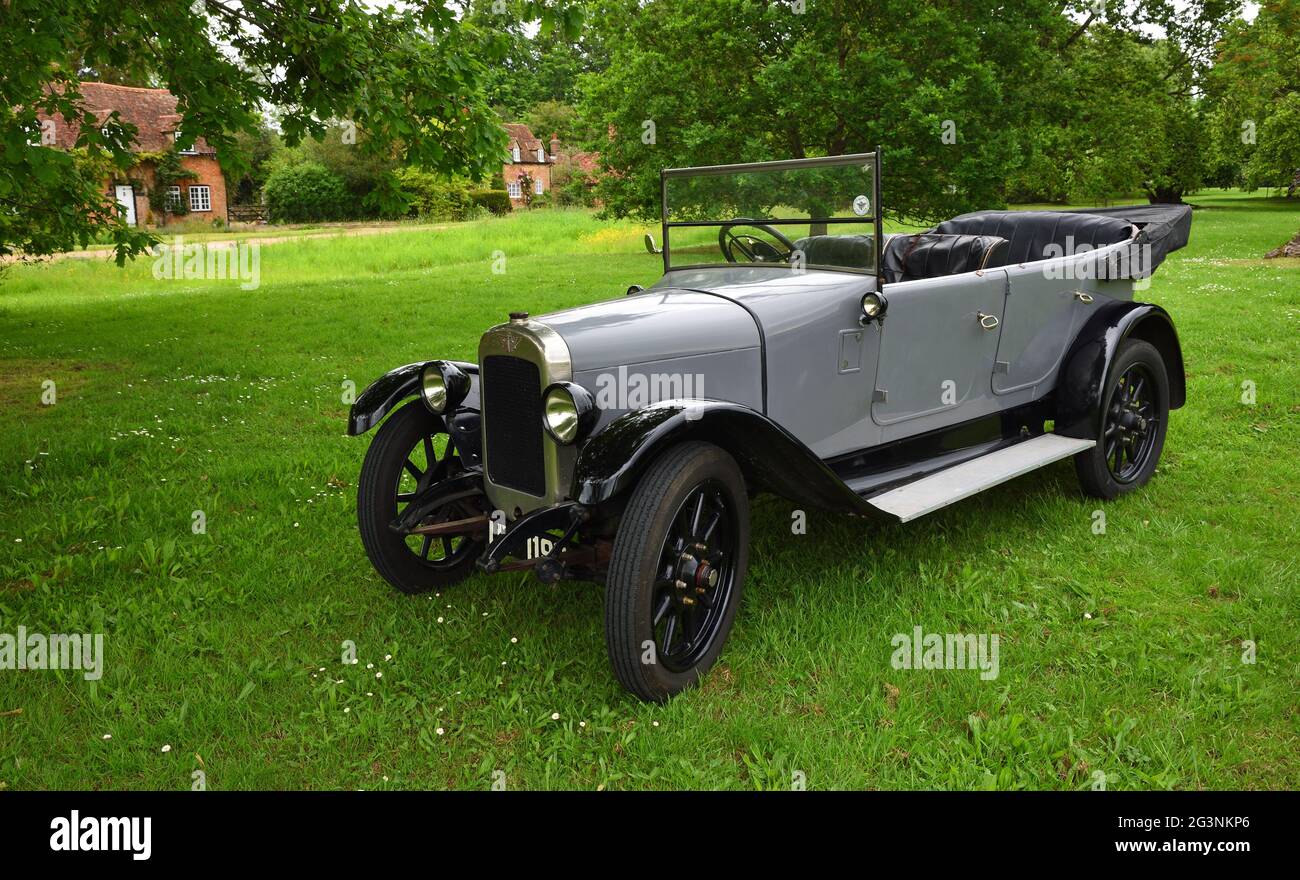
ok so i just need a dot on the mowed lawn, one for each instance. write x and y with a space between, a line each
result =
1120 652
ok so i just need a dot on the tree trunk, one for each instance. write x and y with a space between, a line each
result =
1165 195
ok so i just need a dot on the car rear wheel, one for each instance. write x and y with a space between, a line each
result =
676 572
1135 416
411 452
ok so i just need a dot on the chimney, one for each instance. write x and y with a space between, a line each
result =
555 146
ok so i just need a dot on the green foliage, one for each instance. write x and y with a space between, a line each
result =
167 172
434 197
365 171
1046 100
304 193
1134 125
760 82
1254 90
411 78
246 165
496 201
1276 160
571 186
536 68
563 120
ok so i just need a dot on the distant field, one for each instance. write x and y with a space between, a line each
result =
1120 653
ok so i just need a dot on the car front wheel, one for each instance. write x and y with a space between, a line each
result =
1134 418
676 572
411 452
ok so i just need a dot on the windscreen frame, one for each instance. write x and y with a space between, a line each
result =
876 217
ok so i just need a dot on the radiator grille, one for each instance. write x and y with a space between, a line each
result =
512 423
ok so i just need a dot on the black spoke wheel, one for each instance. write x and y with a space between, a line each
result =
411 452
676 572
1134 419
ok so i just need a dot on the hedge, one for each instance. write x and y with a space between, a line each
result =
495 200
305 193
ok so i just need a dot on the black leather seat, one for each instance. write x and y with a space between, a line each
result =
931 255
1030 234
843 251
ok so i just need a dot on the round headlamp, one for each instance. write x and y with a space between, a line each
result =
873 306
568 412
443 386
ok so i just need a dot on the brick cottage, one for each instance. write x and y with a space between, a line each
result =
153 113
528 155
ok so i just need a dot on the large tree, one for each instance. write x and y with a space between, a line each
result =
409 77
1254 89
962 95
943 86
541 65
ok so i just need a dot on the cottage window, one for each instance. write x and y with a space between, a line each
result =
541 155
515 190
176 136
537 186
200 198
517 154
173 197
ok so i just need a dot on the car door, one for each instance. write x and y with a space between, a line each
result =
939 340
1043 312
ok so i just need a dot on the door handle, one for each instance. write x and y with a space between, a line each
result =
988 322
1085 298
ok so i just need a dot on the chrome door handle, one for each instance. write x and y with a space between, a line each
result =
988 322
1085 298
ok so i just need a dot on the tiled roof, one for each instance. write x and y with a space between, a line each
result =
523 136
151 111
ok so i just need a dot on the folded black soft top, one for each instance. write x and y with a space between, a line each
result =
1164 227
1033 235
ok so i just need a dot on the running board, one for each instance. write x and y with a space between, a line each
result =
952 484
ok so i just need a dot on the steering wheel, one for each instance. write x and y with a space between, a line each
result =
752 248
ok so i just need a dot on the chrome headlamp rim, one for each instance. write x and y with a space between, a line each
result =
443 386
568 412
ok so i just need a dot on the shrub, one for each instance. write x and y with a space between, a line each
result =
433 197
304 193
495 200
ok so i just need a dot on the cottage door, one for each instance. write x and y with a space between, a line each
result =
126 198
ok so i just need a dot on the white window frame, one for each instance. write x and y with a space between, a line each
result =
516 154
538 188
174 196
515 190
541 155
200 197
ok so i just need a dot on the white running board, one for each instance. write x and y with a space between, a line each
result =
952 484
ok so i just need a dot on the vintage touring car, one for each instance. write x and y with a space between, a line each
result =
842 369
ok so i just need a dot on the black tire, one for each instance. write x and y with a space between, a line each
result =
1134 419
411 563
658 532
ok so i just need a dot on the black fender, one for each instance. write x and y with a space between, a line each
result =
1081 384
395 386
770 457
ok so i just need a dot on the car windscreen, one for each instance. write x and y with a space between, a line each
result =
813 213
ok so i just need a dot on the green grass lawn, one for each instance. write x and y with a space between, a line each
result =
1119 653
